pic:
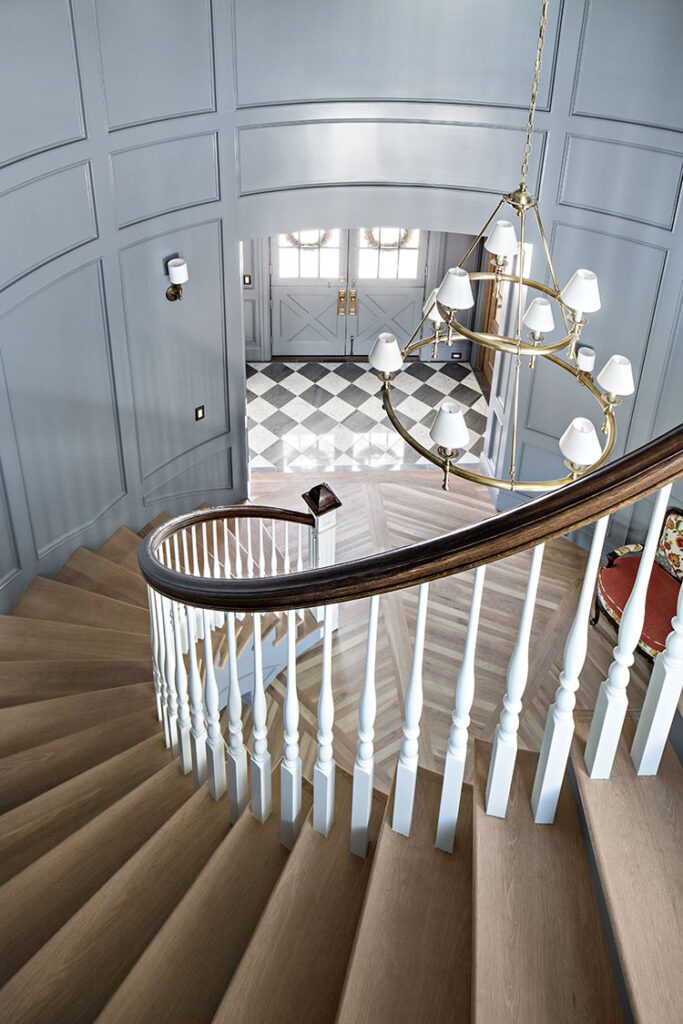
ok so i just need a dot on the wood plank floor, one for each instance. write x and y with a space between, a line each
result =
383 510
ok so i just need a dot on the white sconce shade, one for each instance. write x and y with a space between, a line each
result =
177 271
585 358
455 291
503 239
616 376
539 317
449 429
385 355
431 310
581 292
579 443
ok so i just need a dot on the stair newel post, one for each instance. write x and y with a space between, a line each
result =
364 768
406 771
661 700
215 745
612 702
290 769
196 571
323 503
238 788
559 728
261 782
324 771
197 729
504 751
456 754
170 667
156 661
181 687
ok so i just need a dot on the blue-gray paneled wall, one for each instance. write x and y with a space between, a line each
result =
132 132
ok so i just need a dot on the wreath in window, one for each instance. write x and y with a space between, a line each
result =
374 243
296 243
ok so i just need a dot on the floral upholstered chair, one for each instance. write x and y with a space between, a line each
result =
616 579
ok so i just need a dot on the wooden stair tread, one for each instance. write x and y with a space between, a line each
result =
22 639
99 575
412 957
293 969
540 952
122 548
226 900
28 773
61 602
74 974
163 517
29 725
636 829
24 681
29 831
38 901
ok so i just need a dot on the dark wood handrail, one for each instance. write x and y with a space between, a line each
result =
613 487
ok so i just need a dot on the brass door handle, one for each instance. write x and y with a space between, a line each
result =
353 299
341 302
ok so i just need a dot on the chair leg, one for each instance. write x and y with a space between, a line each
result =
596 612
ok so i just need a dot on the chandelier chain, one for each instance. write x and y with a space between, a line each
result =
534 92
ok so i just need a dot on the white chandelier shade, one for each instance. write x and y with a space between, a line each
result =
579 444
431 309
449 429
455 291
581 292
616 376
539 316
385 356
503 239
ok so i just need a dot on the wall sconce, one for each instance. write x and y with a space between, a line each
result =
177 271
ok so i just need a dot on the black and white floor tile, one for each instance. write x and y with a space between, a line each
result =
330 416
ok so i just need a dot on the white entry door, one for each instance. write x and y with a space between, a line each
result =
333 291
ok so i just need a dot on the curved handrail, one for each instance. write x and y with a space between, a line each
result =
623 482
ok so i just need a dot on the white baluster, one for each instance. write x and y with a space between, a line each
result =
286 554
170 667
300 550
227 568
661 700
197 731
456 755
180 618
163 685
218 617
215 745
181 689
406 772
290 769
559 727
612 702
250 550
321 552
504 752
324 771
261 550
273 549
364 768
238 550
196 571
238 788
154 642
261 782
186 555
206 572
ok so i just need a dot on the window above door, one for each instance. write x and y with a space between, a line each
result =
388 254
311 254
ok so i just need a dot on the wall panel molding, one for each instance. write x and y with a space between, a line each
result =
208 475
46 217
156 178
42 106
396 153
588 181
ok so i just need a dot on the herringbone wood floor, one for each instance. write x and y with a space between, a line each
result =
383 510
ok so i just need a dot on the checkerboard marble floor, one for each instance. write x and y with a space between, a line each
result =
330 416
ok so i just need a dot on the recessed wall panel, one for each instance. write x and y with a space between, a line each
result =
157 59
609 177
213 473
380 50
630 66
39 80
177 349
45 218
55 355
9 560
621 326
446 155
164 176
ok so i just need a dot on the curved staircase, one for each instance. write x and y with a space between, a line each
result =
126 894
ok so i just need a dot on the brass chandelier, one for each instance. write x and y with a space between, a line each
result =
579 444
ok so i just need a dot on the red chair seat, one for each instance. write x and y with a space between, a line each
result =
614 587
